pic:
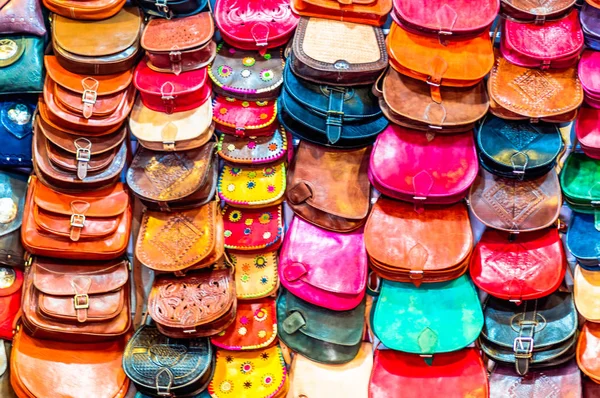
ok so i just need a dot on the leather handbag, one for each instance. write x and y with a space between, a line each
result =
453 19
588 348
582 240
419 246
16 130
43 368
200 304
91 47
586 288
247 75
528 11
319 380
411 166
258 150
76 301
21 64
554 44
527 267
172 8
433 319
587 131
587 66
22 16
13 189
560 381
181 131
338 53
174 180
579 182
244 118
408 102
256 274
518 149
182 240
6 389
319 334
513 205
339 117
537 333
250 374
251 229
179 45
161 366
329 187
454 374
169 93
252 186
336 281
254 328
366 12
589 17
518 92
11 282
94 225
256 25
93 10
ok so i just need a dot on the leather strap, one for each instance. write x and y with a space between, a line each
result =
523 345
81 299
295 271
78 210
168 135
89 96
438 67
260 34
167 97
293 322
417 258
83 156
175 58
519 162
299 193
335 114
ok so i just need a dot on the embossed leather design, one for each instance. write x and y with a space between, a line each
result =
200 304
580 183
535 10
586 289
253 186
256 274
22 72
583 240
587 130
336 281
367 12
244 118
453 375
16 118
93 10
158 364
257 150
22 16
10 300
249 229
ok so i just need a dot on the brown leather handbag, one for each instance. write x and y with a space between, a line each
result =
94 225
76 301
338 53
167 180
200 304
536 11
181 241
180 44
85 10
92 47
369 12
329 187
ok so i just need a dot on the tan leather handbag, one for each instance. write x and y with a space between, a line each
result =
85 10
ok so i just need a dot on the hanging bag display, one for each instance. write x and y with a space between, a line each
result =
251 229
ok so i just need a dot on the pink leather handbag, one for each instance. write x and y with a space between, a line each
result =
408 165
554 44
589 64
255 25
587 129
337 280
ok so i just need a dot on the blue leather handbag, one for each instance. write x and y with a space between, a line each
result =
21 64
583 240
16 117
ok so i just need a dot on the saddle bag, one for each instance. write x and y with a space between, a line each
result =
172 8
243 119
528 11
580 183
22 66
86 10
256 274
252 186
583 240
589 18
22 17
258 150
16 130
243 232
587 130
588 349
586 71
586 288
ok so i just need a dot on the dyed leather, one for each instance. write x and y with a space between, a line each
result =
11 282
252 229
587 130
586 290
68 301
255 327
21 68
255 25
454 375
256 274
536 333
200 304
22 16
159 365
431 319
539 12
338 53
42 368
582 240
172 8
410 245
318 380
16 118
6 390
518 149
514 205
181 241
13 189
93 10
243 118
250 374
579 179
530 266
591 389
253 186
367 12
586 71
257 150
263 78
589 17
336 281
329 187
409 165
94 225
588 349
319 334
503 113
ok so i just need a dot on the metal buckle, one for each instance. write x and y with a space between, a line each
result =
432 83
520 341
77 220
81 301
175 56
89 97
83 155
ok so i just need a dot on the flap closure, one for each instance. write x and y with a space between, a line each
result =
178 34
244 115
17 117
11 50
294 271
293 323
299 193
167 84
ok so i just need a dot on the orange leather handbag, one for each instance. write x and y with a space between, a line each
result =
85 10
588 350
94 225
368 12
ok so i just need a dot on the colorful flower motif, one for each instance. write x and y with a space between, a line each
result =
266 235
227 233
265 218
223 111
229 99
246 267
244 320
252 174
249 222
262 334
247 231
264 356
273 146
251 185
267 380
231 147
246 367
271 188
252 144
247 384
262 103
229 359
269 171
245 278
245 104
260 262
260 315
248 61
235 171
226 387
235 216
221 334
266 75
264 280
242 331
263 116
267 56
224 71
246 73
231 187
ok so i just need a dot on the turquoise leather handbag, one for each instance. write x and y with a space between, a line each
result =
21 64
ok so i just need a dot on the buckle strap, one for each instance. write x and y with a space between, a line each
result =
175 58
523 344
168 135
82 156
78 210
167 97
335 114
519 161
163 382
260 34
89 96
81 299
163 8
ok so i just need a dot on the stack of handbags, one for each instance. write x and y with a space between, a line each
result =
590 24
16 130
579 180
368 12
172 8
528 11
587 130
588 66
85 10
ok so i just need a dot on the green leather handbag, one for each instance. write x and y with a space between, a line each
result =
580 183
431 319
320 334
21 64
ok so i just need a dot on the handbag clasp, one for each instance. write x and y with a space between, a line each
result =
81 301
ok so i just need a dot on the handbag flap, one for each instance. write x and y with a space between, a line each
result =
431 319
588 349
514 205
178 34
71 143
12 48
580 178
151 82
96 38
11 280
583 238
255 274
588 64
66 161
590 19
587 127
253 228
13 189
540 7
244 115
437 238
16 117
255 150
586 292
252 186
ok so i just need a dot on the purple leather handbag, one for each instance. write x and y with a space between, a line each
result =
21 16
325 268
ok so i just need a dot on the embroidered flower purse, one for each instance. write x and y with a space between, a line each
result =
255 150
253 229
249 186
255 274
244 118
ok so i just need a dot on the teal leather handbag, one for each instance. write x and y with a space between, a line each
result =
21 64
431 319
580 183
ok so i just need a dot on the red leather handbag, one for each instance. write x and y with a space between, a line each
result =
255 25
253 229
169 93
530 267
11 281
587 72
407 165
244 118
455 374
587 129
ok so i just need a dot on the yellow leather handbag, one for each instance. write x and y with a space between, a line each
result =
251 186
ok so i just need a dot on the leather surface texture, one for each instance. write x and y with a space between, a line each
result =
264 232
22 16
587 130
585 292
92 10
16 130
580 184
582 240
256 274
253 186
11 283
529 11
588 348
21 69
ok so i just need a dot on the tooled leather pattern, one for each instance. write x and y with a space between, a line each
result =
520 136
165 170
514 201
536 385
238 15
535 87
25 75
177 237
540 6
